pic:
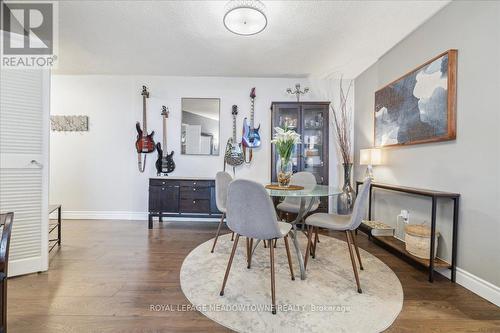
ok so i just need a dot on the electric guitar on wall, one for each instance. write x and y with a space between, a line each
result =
251 136
144 143
234 153
165 162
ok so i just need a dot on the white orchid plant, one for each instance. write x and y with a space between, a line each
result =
285 139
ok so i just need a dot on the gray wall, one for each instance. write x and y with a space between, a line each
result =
470 164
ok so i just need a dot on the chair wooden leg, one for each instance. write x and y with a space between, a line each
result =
316 241
218 232
250 247
353 261
312 245
353 237
289 257
265 244
273 282
248 250
308 249
235 245
275 242
232 236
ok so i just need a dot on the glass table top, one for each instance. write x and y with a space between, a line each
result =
308 191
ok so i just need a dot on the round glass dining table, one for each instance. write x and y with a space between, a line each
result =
306 195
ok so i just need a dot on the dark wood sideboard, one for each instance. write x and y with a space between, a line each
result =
181 197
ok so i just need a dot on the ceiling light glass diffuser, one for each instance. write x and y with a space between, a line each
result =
245 17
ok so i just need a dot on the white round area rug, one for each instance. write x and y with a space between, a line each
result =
326 301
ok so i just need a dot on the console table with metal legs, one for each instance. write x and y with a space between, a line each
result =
398 246
53 226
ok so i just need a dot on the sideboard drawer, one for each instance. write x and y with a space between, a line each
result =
196 183
163 182
195 206
195 193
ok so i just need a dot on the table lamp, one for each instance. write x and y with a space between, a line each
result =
370 157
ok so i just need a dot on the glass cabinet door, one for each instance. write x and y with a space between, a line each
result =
288 116
310 120
314 149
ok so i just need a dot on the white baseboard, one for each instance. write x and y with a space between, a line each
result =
124 215
479 286
103 215
475 284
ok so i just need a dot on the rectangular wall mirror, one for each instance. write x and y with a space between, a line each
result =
200 126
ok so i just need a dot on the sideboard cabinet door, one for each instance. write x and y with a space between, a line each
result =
170 200
164 199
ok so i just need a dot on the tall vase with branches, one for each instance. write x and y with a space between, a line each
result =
342 121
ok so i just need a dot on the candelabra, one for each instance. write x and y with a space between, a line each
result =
297 92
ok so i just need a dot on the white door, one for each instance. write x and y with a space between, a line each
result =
24 158
193 139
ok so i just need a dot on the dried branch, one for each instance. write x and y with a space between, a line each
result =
342 122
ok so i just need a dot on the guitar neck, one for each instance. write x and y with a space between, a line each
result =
164 135
144 121
251 114
234 129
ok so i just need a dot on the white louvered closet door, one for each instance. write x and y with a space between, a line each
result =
24 158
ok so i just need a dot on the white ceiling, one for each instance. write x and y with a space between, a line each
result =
302 38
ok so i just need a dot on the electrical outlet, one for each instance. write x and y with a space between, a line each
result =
405 214
401 221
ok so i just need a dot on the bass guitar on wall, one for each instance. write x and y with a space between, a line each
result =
251 136
165 162
234 153
144 143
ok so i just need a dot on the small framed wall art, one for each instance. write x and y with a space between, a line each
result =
69 123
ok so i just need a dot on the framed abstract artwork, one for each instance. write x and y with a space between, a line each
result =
420 106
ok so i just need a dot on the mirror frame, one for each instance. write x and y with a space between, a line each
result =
182 111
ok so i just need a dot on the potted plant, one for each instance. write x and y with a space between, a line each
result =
285 140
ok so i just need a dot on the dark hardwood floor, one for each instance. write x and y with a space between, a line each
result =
107 274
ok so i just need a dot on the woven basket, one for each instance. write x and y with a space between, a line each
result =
418 240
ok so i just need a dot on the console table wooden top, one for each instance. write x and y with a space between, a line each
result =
413 190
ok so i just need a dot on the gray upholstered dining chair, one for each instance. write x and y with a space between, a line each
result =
291 204
250 212
222 180
346 223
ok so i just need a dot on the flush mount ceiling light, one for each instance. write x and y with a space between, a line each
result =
245 17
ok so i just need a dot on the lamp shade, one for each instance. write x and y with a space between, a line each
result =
370 156
245 17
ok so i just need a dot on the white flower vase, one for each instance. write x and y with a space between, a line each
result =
284 171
